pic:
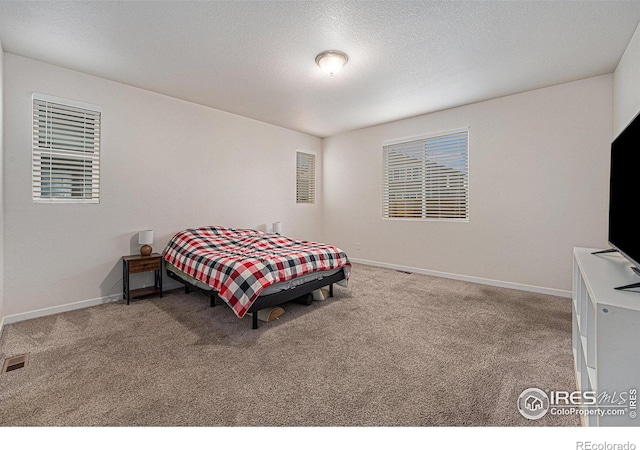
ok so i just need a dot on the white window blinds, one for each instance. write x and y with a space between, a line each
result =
427 178
305 177
66 151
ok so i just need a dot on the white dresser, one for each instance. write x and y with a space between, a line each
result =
606 333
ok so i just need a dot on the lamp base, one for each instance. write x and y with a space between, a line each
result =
145 250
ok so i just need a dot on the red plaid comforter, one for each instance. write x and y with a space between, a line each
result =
239 264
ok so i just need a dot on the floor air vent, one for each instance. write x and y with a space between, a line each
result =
15 362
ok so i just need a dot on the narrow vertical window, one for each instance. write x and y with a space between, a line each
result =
305 177
427 178
66 151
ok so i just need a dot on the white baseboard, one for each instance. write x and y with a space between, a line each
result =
504 284
170 284
60 309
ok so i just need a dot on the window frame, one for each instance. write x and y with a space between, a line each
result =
91 164
313 181
425 137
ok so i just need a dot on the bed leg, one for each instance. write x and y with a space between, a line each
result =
331 290
212 298
186 289
254 319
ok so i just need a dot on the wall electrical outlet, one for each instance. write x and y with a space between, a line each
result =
357 245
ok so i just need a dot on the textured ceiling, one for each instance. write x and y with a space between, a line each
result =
256 58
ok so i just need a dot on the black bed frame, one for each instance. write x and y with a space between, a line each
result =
271 300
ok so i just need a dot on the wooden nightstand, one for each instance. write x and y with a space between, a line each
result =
137 264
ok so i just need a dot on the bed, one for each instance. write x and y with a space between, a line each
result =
251 270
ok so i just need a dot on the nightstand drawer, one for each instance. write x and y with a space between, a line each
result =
144 265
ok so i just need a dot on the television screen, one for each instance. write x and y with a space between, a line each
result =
624 232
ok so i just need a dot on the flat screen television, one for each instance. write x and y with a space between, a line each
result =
624 233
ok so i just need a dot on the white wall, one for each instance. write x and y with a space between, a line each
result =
626 87
166 165
1 190
538 187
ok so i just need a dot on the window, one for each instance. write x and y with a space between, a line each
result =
427 178
305 177
66 151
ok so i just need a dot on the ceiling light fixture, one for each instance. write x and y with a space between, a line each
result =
331 61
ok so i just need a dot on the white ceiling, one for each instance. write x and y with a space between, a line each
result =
256 58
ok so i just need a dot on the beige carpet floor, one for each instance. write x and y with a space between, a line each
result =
393 349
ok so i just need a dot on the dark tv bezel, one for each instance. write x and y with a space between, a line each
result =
634 263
